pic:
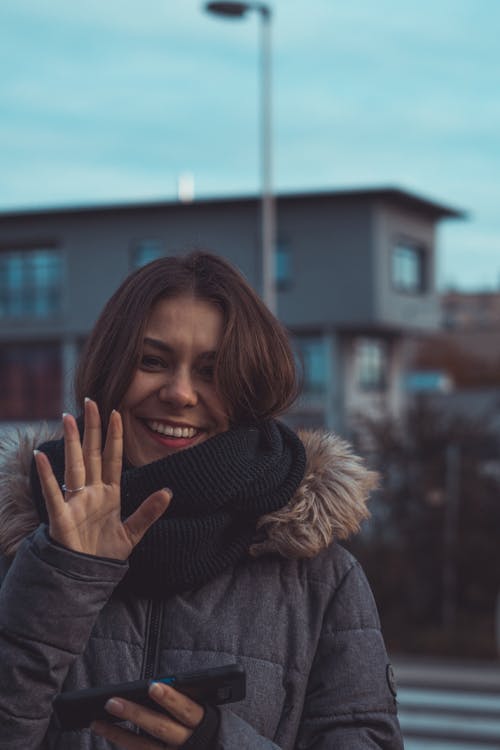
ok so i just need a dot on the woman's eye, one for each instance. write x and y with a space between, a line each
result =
207 373
150 362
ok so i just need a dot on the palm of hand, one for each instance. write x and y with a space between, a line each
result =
91 523
88 520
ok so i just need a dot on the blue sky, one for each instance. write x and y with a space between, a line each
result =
110 101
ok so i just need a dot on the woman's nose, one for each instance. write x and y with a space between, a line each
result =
179 389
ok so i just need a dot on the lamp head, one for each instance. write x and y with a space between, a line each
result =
227 9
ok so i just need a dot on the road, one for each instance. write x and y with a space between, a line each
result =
448 705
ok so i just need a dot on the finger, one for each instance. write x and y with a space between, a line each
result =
51 491
178 705
146 514
156 724
74 468
124 739
113 450
92 443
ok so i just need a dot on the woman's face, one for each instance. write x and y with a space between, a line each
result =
171 403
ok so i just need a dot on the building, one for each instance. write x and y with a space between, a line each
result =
466 350
457 369
471 311
355 276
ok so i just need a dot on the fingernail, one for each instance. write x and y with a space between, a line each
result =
156 690
65 414
114 706
167 489
36 452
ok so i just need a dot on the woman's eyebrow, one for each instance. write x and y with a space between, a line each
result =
164 347
158 344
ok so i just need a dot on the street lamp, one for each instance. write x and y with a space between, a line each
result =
268 217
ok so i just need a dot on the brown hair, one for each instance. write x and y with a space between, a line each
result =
255 372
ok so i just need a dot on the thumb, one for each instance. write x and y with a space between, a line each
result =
146 514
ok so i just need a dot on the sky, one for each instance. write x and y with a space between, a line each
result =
111 101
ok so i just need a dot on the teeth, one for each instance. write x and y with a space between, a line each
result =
178 432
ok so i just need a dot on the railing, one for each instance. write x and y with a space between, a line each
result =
444 705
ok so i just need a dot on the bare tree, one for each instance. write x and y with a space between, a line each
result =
432 547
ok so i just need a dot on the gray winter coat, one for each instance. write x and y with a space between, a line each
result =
298 615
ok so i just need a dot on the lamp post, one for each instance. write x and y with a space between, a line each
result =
268 212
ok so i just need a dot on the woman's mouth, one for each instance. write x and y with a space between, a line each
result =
170 430
170 435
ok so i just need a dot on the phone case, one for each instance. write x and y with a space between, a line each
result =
77 709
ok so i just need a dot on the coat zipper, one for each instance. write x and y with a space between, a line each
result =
152 644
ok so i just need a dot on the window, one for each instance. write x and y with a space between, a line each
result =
408 268
31 283
30 381
146 251
312 358
427 381
283 265
371 364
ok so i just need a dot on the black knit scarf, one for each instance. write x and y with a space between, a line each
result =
220 488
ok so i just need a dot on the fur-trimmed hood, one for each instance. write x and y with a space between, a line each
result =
329 504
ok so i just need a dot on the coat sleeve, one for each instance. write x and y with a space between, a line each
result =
350 699
49 601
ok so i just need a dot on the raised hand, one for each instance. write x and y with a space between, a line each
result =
86 518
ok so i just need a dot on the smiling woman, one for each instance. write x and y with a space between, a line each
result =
179 525
172 403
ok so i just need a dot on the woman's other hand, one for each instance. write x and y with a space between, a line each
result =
88 519
172 730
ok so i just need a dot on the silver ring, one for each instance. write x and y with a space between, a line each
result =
77 489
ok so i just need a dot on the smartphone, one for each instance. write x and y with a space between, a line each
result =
79 708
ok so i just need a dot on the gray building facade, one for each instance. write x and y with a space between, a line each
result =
355 276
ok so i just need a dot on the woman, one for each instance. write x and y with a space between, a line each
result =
178 525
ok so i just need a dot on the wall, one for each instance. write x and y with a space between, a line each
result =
332 262
410 311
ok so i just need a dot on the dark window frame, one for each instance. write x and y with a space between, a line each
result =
405 246
31 380
31 281
312 387
283 270
143 245
367 364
